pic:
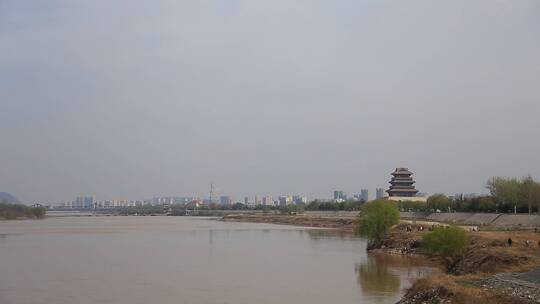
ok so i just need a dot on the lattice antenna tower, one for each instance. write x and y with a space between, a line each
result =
211 193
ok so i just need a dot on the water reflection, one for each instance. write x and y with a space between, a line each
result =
375 279
323 234
3 237
381 275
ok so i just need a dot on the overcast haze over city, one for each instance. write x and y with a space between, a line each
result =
133 99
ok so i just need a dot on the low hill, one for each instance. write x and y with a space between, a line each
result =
10 199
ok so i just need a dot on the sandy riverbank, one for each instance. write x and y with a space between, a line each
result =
342 223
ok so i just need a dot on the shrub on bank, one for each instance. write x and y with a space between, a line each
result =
448 242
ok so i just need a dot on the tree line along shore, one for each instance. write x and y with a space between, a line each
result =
18 211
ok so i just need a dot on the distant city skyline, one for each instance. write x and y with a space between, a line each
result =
361 193
334 196
124 99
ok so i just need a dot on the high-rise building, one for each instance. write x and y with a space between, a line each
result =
298 199
84 202
182 200
246 200
364 195
339 195
267 201
225 200
402 184
379 193
285 200
89 202
78 203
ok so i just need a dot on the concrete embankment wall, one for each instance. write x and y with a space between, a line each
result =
457 218
476 219
348 214
524 220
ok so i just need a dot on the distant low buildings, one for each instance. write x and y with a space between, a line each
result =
172 200
83 202
401 188
90 202
161 200
464 196
196 203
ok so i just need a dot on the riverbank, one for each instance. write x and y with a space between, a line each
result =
489 272
342 223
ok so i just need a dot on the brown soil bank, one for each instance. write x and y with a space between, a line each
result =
476 276
297 220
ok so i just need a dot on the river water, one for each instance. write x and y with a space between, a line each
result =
132 260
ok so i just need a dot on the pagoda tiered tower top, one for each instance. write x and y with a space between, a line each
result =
402 183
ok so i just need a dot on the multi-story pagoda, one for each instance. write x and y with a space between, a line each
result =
402 184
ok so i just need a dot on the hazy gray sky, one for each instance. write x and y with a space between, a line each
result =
131 99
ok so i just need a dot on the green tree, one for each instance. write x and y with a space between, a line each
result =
288 209
530 193
505 191
375 219
239 206
314 205
412 206
439 201
447 242
352 205
511 193
486 203
38 212
13 211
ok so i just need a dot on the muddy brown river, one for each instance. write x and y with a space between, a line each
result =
192 260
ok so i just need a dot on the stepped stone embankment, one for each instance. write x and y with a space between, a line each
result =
525 286
476 219
496 220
